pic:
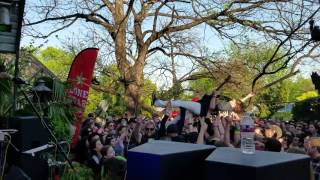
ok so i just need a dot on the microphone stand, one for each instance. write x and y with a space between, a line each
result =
46 127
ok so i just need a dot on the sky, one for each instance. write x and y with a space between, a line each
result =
205 34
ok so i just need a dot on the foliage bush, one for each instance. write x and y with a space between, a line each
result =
307 110
61 111
6 93
81 172
285 116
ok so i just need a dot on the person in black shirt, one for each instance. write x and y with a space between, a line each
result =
272 144
156 119
173 133
149 132
95 161
143 133
88 120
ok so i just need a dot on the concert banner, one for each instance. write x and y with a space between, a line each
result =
80 76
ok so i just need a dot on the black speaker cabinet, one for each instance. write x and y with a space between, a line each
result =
230 164
31 133
165 160
34 166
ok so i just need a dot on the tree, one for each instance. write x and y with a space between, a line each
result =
298 86
57 60
284 93
244 62
94 98
114 92
307 110
176 64
134 28
204 85
307 95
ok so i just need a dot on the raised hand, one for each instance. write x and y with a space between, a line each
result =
235 116
215 121
224 114
229 119
220 118
122 137
251 94
204 125
203 129
216 94
168 109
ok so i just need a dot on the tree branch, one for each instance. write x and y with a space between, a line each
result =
109 5
278 80
87 17
271 60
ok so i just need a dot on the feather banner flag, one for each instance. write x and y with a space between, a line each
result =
80 76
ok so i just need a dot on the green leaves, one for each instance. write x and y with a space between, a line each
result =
57 60
285 116
307 110
81 173
227 5
58 91
307 95
204 85
6 91
60 111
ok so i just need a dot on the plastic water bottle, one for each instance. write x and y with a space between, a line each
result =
247 134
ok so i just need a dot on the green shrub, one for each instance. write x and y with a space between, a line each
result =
81 172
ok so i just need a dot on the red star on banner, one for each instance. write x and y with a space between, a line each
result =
80 79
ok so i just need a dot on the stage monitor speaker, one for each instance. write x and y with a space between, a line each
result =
165 160
231 163
34 166
34 162
31 134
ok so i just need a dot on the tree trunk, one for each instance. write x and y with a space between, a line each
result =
132 74
134 87
133 92
132 99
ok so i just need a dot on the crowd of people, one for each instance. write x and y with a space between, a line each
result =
104 147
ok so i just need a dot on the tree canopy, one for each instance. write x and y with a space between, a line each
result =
133 32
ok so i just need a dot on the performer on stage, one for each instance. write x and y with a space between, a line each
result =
207 102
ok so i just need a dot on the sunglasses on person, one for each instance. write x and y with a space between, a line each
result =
149 129
111 125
